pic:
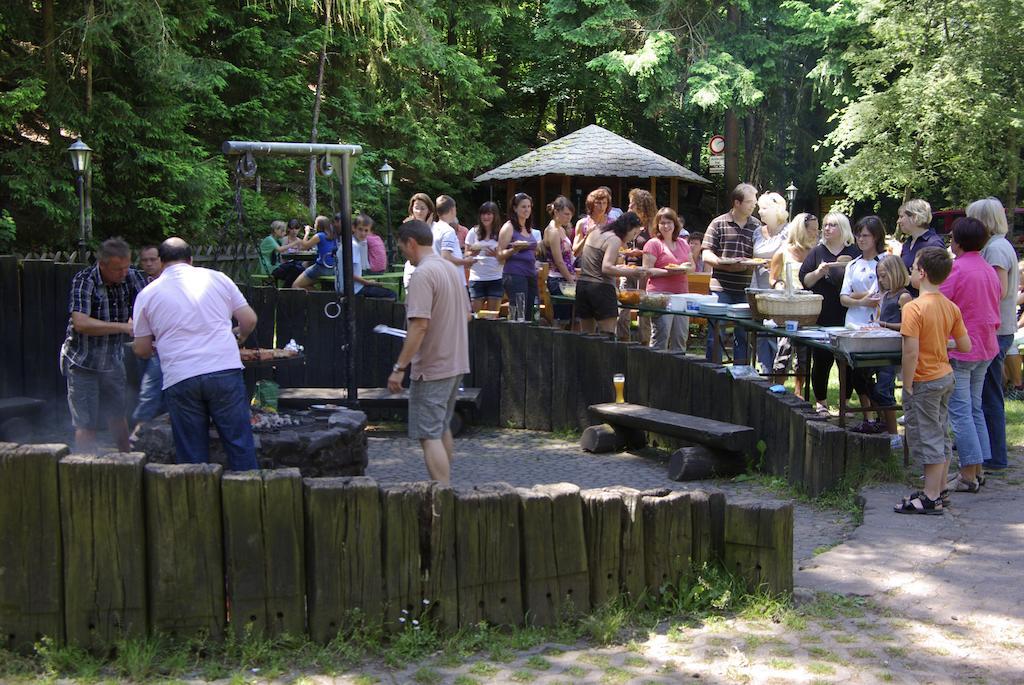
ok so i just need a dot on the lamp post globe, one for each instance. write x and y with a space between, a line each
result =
81 156
791 195
386 175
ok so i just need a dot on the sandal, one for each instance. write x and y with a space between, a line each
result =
918 503
958 484
822 410
943 496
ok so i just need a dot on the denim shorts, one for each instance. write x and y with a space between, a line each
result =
86 387
317 270
489 290
431 406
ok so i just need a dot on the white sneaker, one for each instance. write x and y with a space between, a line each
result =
896 442
902 420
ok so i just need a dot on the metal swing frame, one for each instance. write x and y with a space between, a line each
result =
249 150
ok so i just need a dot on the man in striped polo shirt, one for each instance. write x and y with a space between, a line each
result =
731 236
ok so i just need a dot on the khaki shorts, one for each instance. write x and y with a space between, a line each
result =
431 406
927 412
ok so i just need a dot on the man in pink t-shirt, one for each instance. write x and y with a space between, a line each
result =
436 346
187 314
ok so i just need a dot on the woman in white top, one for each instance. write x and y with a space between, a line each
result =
421 207
485 289
768 240
860 294
802 234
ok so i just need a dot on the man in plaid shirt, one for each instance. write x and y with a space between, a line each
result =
92 357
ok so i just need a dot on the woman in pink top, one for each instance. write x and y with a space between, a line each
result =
668 248
974 287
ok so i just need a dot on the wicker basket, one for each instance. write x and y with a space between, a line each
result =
755 311
803 308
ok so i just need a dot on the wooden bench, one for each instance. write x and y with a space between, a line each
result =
723 449
716 434
467 402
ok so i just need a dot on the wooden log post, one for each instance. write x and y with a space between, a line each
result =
539 388
31 560
563 377
602 527
513 374
40 343
418 545
11 366
668 540
664 370
103 528
823 456
638 375
264 551
759 545
707 512
324 338
185 549
556 583
632 565
343 555
264 303
486 357
290 322
487 539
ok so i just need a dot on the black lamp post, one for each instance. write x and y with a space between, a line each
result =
80 154
790 195
386 174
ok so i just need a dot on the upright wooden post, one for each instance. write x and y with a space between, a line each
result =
654 188
185 549
343 554
104 548
567 187
673 193
31 593
264 552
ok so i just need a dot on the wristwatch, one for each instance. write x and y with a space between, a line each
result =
396 368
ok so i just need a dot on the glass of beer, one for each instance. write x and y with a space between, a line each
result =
619 381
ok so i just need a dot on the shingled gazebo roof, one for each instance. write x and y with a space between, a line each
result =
592 151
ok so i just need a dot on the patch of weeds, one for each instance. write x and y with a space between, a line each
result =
830 605
861 653
668 667
811 639
794 621
896 652
427 676
67 661
553 651
820 669
466 680
844 639
13 665
784 652
575 671
781 664
886 677
538 663
614 674
753 642
719 641
635 661
567 434
523 676
821 549
635 647
366 679
599 660
825 655
482 668
605 624
412 644
526 638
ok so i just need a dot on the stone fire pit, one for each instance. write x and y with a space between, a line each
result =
329 444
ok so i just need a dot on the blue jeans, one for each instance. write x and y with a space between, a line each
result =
151 394
220 396
992 405
965 414
514 283
739 344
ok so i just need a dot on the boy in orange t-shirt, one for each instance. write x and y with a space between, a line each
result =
928 323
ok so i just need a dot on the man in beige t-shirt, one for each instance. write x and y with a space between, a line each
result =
436 345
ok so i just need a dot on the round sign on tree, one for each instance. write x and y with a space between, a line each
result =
717 145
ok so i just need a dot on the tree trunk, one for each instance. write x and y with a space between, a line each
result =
732 131
755 147
50 60
90 15
542 108
451 23
318 97
1012 174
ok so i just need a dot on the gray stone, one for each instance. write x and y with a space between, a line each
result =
335 447
702 463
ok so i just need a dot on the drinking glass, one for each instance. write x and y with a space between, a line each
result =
619 381
520 307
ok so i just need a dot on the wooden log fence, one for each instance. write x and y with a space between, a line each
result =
95 549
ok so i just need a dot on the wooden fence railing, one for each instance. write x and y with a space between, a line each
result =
93 549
